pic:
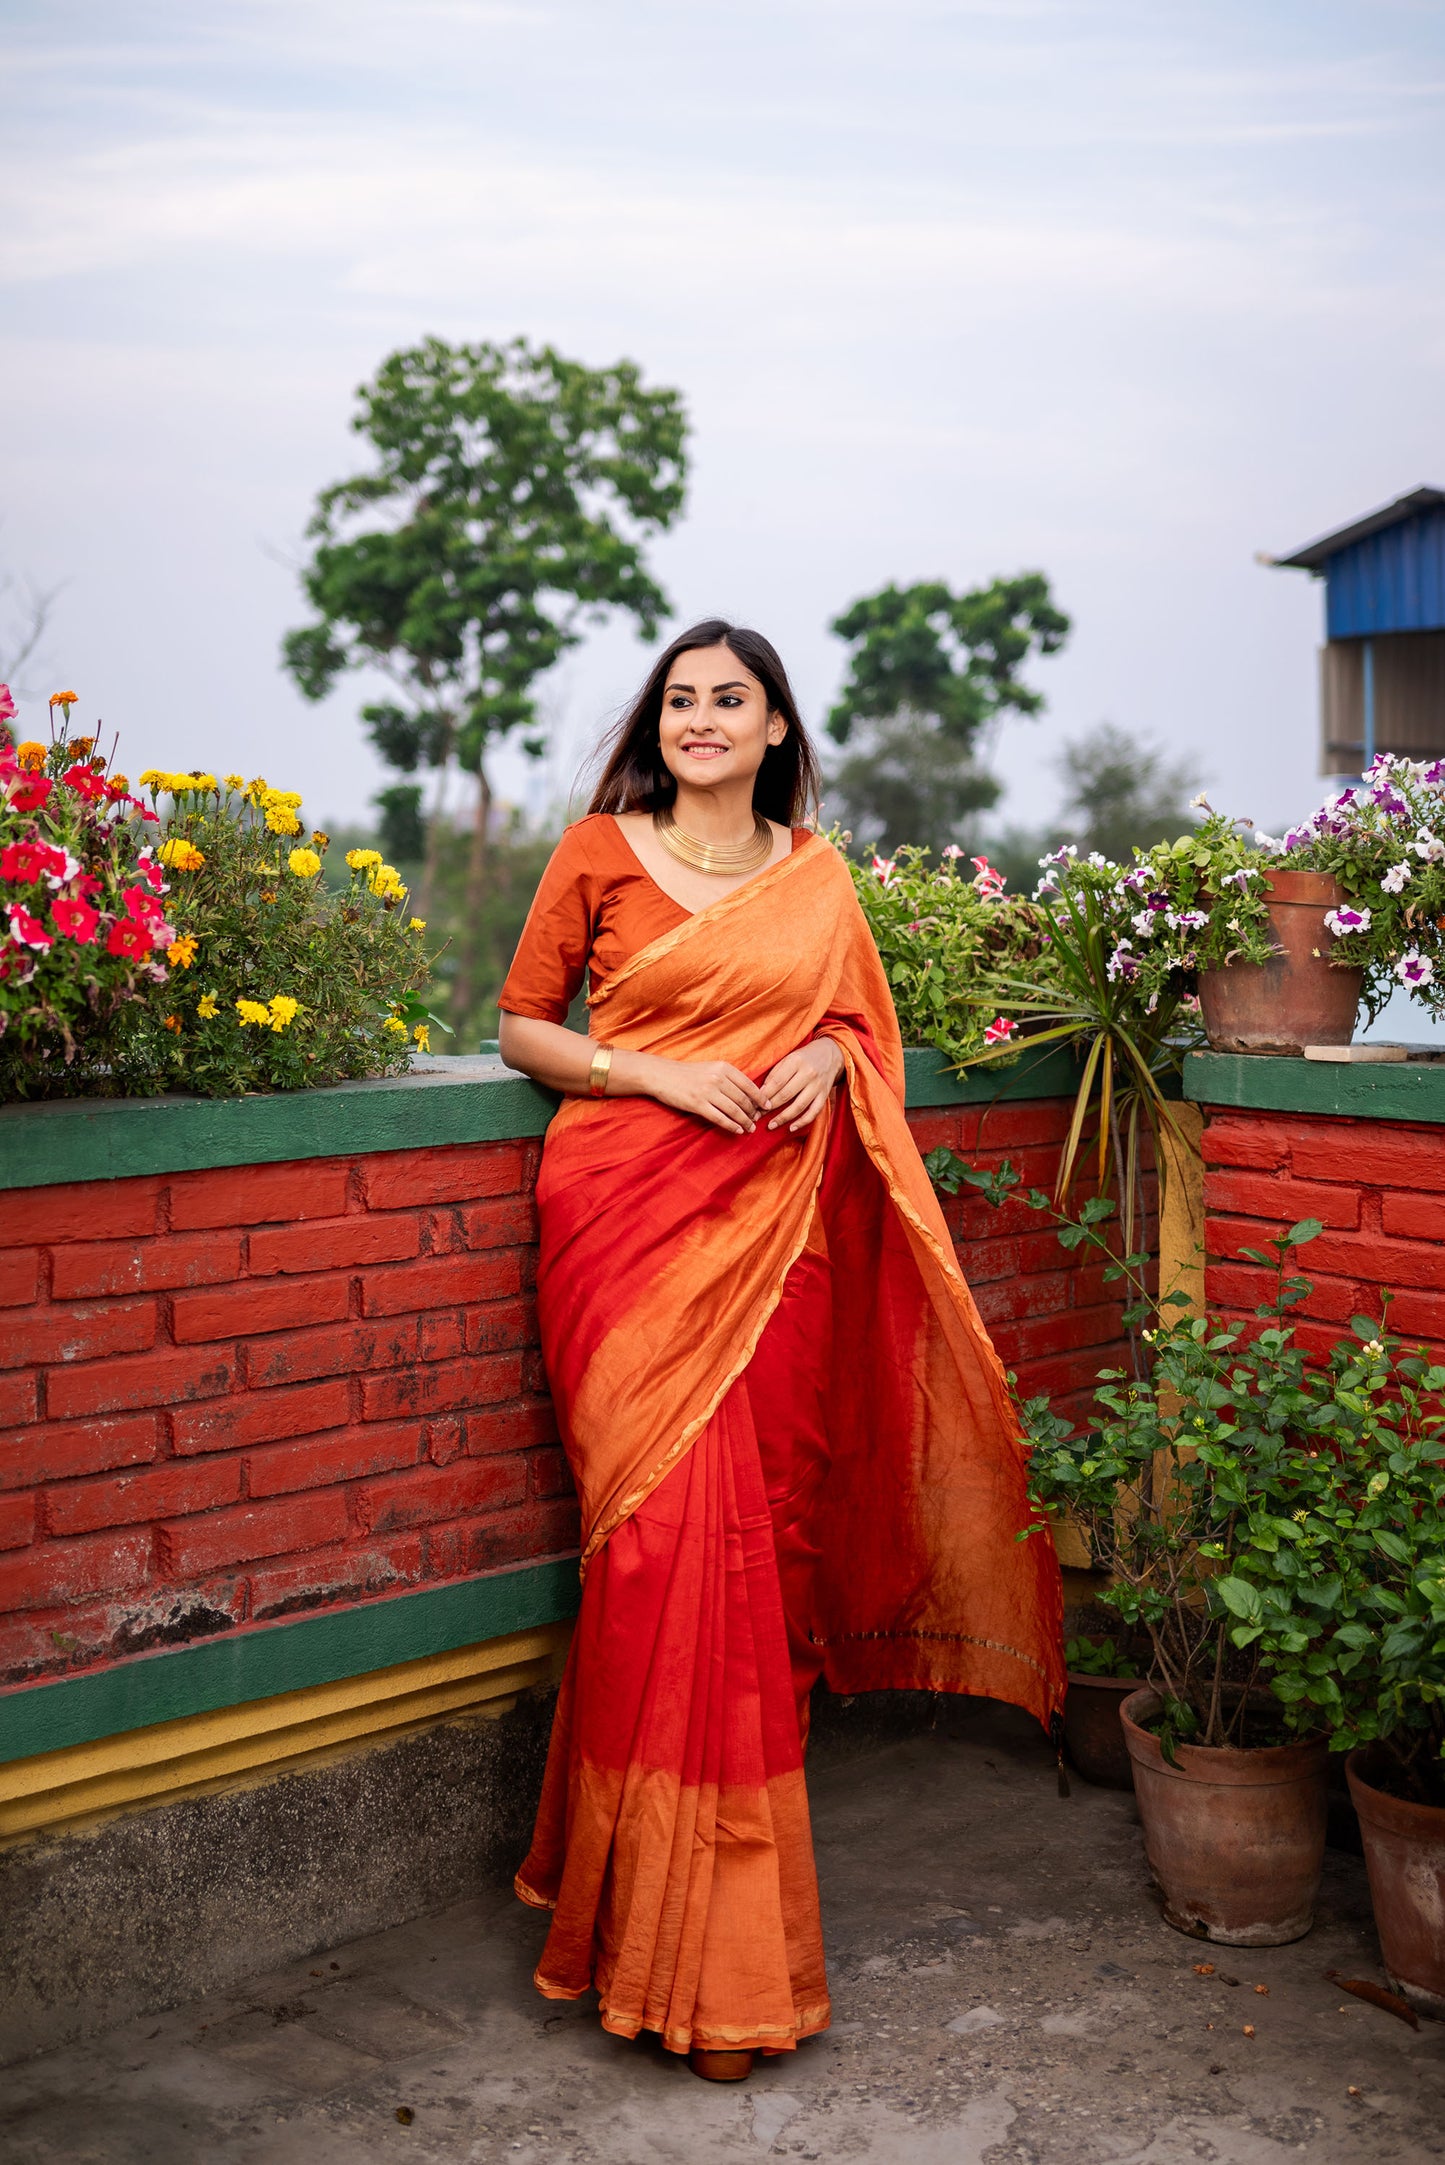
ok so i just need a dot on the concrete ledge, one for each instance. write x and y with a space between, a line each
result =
442 1101
188 1898
1414 1091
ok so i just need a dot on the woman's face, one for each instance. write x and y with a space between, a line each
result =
715 725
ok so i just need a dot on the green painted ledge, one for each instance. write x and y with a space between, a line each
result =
462 1100
269 1659
1407 1090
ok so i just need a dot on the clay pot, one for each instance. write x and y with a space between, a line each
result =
1405 1858
1298 997
1235 1839
1092 1730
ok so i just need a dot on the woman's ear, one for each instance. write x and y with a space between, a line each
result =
777 728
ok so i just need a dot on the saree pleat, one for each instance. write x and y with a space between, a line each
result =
673 1841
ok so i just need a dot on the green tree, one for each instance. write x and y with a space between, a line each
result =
930 672
1121 794
509 503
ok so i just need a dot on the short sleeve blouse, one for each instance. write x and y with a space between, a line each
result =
595 907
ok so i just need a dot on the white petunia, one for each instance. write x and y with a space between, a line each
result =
1394 880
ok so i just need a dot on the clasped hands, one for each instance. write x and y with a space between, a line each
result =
791 1095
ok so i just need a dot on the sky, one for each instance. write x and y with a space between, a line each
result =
951 288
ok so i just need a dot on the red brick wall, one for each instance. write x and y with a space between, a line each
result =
232 1396
1379 1191
228 1396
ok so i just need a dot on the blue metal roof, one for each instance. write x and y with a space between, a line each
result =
1383 573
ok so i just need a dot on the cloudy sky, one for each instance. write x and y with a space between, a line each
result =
951 287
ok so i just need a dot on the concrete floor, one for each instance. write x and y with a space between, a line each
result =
1004 1989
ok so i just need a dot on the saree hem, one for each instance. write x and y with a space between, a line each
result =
530 1896
767 2037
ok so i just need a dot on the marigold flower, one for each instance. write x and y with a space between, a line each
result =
416 924
268 894
386 881
283 1010
63 699
180 855
233 781
359 859
182 952
118 785
395 1024
173 1022
206 1006
320 840
304 863
422 1034
81 747
255 1012
282 820
31 754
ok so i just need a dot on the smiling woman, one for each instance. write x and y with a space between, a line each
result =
792 1439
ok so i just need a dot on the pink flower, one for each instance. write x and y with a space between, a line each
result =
28 930
142 905
951 849
988 882
28 792
85 782
76 920
884 869
148 870
8 709
999 1031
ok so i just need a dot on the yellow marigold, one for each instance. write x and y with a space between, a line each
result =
257 787
320 840
80 747
233 781
386 881
283 1010
180 855
206 1006
395 1024
30 754
182 952
198 781
253 1011
359 859
120 781
304 863
416 924
282 820
173 1022
267 894
63 699
422 1034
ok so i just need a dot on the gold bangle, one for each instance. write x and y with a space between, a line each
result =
600 1070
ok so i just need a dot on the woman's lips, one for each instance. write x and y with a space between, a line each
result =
705 751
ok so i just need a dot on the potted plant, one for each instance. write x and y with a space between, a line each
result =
1102 1675
1185 1471
1349 1614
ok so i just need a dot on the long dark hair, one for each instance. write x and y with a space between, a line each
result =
788 782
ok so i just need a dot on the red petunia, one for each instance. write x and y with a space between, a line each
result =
127 937
89 885
77 920
85 782
141 904
148 870
29 791
28 861
28 930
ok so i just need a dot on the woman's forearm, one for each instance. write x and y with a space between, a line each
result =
561 1059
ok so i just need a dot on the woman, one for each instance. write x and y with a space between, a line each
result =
791 1437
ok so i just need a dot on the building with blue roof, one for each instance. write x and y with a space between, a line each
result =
1382 668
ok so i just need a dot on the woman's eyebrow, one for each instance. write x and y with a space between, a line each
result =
733 684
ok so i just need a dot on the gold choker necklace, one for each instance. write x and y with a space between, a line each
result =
714 856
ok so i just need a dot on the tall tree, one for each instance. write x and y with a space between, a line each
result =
511 496
1120 794
930 672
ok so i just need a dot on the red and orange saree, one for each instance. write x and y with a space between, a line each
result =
796 1456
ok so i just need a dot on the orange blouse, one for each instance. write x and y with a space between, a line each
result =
595 907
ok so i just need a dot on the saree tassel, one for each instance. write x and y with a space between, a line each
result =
1056 1734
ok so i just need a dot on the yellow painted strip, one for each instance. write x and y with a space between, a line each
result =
64 1788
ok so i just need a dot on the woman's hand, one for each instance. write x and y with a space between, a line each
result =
711 1090
799 1086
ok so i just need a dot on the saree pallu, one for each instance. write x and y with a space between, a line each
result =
795 1453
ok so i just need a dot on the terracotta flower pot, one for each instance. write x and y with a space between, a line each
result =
1298 997
1405 1858
1092 1730
1235 1839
